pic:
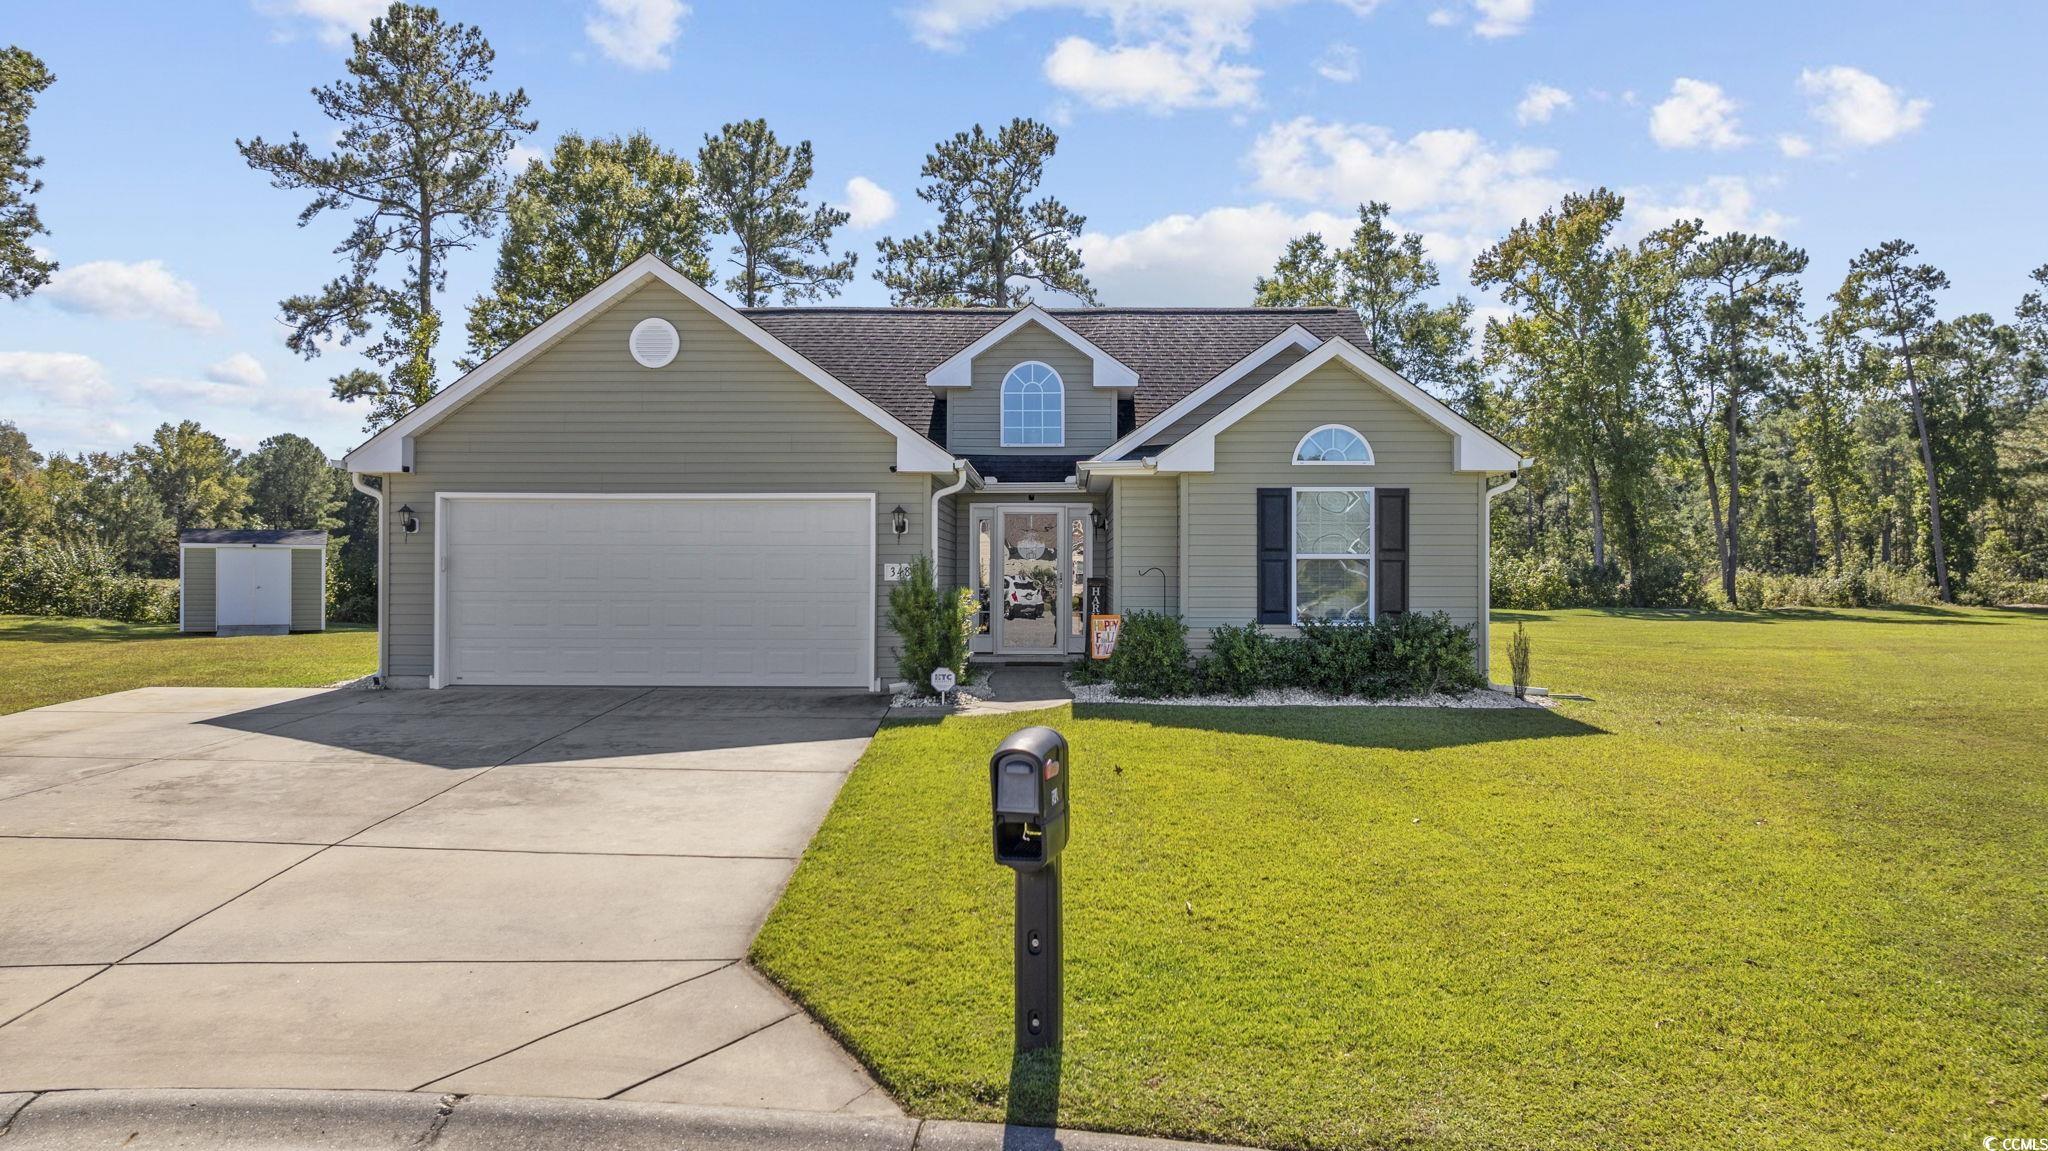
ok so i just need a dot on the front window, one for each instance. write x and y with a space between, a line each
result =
1034 407
1333 554
1333 444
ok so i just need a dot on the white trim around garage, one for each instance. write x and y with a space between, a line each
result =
439 678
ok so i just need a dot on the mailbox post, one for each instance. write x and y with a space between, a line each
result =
1028 795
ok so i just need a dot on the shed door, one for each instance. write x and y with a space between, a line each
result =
732 591
252 587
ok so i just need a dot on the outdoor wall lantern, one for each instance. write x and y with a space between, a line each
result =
1100 517
899 521
407 520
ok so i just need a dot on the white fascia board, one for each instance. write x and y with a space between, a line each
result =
1295 336
390 450
958 370
1144 467
1473 449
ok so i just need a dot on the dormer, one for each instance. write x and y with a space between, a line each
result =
1031 386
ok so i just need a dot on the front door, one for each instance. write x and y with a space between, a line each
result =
1029 607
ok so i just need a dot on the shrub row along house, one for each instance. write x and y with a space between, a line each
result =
654 487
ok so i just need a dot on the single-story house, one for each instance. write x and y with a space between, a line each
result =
655 487
237 582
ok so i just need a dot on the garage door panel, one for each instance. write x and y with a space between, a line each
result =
728 591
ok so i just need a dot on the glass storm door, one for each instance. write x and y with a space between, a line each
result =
1030 597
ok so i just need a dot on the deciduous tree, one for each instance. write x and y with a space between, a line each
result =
572 220
420 159
990 231
194 473
291 484
781 246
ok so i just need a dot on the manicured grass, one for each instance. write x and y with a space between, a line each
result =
1781 881
45 661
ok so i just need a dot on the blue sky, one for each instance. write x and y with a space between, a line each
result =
1196 135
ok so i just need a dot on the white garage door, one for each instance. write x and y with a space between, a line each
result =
727 591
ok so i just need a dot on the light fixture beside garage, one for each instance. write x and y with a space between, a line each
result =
899 521
654 342
407 519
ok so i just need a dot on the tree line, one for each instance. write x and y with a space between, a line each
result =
1700 428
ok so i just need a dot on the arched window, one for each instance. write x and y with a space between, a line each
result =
1034 407
1333 444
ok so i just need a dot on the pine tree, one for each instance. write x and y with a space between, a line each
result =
781 245
22 78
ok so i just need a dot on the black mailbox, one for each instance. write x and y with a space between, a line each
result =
1028 781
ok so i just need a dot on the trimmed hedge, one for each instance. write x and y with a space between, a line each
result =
1391 657
1151 656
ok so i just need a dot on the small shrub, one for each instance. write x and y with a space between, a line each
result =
931 624
1086 672
1151 657
1518 660
1240 660
85 581
1404 655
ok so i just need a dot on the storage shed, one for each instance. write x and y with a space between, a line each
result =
252 582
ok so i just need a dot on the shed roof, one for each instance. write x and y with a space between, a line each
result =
229 537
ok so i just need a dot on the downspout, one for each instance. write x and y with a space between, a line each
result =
355 480
960 470
1486 578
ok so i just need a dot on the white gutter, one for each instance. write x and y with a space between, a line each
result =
960 470
355 480
1486 570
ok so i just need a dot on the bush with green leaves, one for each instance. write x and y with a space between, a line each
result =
1151 656
84 580
1876 586
931 624
1415 653
1240 660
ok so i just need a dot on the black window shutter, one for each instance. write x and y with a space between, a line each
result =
1390 539
1276 554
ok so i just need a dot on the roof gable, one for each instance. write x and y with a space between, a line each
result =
957 370
1295 336
390 450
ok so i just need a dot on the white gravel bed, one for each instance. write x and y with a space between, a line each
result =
973 690
1302 697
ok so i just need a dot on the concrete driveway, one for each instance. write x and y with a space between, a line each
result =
506 891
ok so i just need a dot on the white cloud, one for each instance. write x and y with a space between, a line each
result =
1211 258
1339 65
1722 203
1540 103
636 33
1795 146
1859 108
1442 17
65 378
1499 18
1697 114
177 396
1158 76
118 291
333 21
868 204
240 368
1452 185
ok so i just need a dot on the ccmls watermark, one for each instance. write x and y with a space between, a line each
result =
2016 1142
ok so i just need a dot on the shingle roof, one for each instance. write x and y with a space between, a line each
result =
301 538
884 353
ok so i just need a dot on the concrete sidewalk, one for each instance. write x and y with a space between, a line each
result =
394 1121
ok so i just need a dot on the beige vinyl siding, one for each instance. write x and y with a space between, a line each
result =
1215 405
974 416
308 590
198 588
1146 519
1446 563
583 416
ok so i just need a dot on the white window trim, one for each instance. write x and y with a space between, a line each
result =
1372 556
1003 411
440 677
1314 432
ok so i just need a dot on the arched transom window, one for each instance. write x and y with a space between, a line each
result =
1034 407
1333 444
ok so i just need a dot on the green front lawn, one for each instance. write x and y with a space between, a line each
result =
1781 881
45 661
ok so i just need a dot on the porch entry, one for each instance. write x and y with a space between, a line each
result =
1031 564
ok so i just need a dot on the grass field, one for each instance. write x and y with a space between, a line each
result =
45 661
1781 880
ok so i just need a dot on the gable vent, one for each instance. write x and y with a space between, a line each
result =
654 342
